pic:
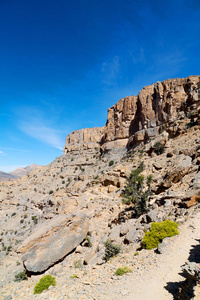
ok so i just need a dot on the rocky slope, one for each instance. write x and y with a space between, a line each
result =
84 187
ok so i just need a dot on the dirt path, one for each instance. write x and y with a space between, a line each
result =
153 282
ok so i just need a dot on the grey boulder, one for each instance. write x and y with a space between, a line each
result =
53 240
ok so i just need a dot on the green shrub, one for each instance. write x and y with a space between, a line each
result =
126 201
21 276
78 264
44 283
159 231
122 271
74 276
134 191
88 242
149 179
111 250
190 124
158 148
50 192
111 163
35 219
8 249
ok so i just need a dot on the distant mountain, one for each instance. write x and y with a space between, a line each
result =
20 172
6 176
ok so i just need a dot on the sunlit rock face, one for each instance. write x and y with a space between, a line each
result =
137 119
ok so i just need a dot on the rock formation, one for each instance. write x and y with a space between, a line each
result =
136 119
83 139
53 241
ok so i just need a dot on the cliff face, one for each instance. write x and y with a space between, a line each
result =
136 119
83 139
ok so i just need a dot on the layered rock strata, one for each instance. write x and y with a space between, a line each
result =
83 139
136 119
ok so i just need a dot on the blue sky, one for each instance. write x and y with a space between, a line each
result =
63 63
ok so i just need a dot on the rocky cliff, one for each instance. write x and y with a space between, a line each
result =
136 119
83 139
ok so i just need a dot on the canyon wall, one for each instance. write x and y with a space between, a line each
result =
164 105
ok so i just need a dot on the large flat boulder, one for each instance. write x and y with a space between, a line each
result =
53 240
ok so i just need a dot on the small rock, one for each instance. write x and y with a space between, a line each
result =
9 297
79 249
114 235
124 292
132 236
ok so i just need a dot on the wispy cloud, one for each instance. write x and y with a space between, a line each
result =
2 153
33 123
13 149
110 71
43 133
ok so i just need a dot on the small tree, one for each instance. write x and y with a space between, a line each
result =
111 250
158 148
134 191
21 276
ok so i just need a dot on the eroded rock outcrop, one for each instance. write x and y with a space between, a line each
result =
136 119
52 241
83 139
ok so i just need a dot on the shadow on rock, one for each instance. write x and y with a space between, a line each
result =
185 290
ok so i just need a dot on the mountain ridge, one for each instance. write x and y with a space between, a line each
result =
18 173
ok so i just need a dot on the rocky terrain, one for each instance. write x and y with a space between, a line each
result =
18 173
56 219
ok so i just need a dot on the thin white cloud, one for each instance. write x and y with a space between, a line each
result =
13 149
110 71
2 153
34 123
43 133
